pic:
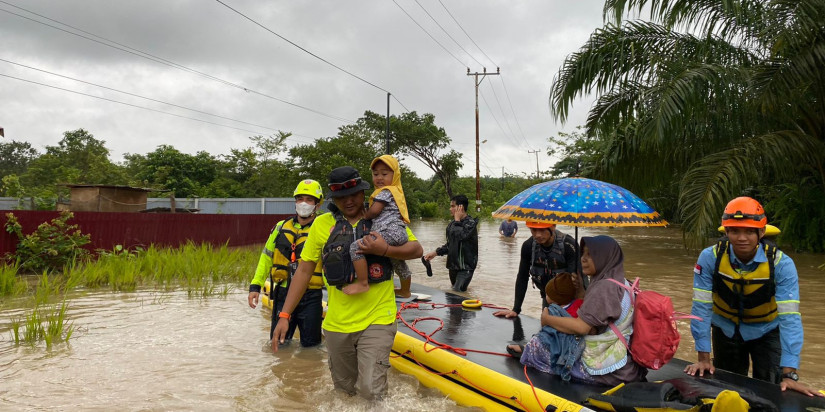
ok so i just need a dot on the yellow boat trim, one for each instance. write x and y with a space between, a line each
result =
468 383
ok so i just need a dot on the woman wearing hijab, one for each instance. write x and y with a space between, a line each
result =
585 348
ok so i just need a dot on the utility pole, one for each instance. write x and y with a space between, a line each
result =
537 162
388 123
478 173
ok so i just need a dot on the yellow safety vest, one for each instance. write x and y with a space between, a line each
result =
288 245
743 296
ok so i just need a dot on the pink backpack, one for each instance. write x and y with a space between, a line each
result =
655 336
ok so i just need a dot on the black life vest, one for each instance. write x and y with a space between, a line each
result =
545 264
336 259
742 296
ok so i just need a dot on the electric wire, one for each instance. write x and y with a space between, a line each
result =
501 77
301 48
430 35
501 108
149 56
503 115
126 104
399 102
137 95
447 33
467 34
507 93
493 115
131 105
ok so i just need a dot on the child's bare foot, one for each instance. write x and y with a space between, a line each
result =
355 288
400 293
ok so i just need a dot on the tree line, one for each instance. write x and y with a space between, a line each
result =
266 168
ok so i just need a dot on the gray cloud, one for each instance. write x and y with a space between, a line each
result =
372 39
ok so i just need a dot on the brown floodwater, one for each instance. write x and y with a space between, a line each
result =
158 351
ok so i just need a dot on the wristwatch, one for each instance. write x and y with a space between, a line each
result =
790 375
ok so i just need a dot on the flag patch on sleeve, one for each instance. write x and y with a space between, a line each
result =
697 270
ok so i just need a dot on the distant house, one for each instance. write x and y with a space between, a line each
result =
106 198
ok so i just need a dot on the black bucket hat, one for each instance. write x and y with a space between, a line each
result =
344 181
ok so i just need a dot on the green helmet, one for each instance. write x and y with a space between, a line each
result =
311 188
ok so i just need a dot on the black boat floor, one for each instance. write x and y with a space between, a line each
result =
478 329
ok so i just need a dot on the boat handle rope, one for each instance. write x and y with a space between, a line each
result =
460 351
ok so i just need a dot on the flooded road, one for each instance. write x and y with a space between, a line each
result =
157 351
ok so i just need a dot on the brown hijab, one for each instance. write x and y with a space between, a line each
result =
603 300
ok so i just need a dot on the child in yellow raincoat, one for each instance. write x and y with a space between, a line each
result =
388 211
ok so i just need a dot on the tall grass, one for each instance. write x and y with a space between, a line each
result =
201 270
43 324
10 283
197 268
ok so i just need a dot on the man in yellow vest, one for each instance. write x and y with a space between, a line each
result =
746 293
279 260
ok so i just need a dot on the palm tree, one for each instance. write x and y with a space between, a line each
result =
725 96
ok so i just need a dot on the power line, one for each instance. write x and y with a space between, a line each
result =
428 34
507 93
501 108
514 111
137 95
130 104
493 115
302 49
467 34
447 33
149 56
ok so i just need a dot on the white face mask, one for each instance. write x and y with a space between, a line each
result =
304 209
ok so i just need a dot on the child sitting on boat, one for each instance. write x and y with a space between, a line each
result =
561 290
585 348
388 211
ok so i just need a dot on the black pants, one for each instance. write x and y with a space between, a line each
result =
735 355
460 279
306 316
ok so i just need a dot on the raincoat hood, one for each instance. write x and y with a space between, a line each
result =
394 187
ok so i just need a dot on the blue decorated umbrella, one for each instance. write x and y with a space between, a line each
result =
577 201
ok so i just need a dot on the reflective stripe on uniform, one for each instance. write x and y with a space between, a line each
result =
268 252
788 307
701 295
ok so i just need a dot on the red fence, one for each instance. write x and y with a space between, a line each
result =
142 229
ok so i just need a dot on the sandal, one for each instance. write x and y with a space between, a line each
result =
514 353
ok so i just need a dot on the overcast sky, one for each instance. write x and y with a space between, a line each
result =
373 40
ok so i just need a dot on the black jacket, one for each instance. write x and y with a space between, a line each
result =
462 244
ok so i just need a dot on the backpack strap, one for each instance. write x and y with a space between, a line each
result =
632 289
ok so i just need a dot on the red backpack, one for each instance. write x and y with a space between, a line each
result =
655 336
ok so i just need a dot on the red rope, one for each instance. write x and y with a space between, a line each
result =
428 339
533 388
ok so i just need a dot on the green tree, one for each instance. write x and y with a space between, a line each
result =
724 96
418 136
15 157
355 145
579 153
168 168
273 176
77 158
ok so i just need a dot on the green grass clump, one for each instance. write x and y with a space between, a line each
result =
197 268
10 283
43 324
201 270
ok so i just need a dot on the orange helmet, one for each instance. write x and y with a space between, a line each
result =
744 212
540 225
